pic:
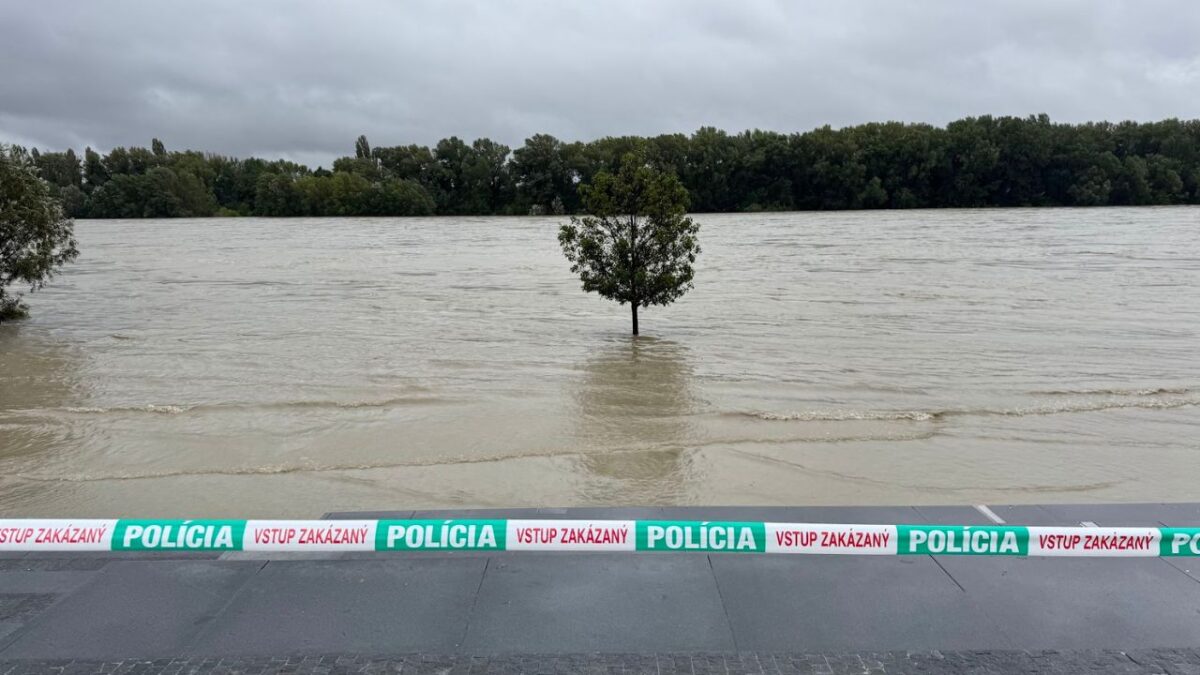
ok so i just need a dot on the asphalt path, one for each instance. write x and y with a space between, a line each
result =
567 612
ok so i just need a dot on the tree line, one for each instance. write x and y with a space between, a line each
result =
972 162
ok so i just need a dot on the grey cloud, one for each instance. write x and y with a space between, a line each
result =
301 79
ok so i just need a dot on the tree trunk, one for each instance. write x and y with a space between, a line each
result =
633 306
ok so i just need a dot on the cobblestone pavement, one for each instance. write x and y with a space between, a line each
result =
1161 661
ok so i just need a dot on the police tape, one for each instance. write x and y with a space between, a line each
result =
592 535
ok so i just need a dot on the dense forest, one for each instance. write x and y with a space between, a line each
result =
978 161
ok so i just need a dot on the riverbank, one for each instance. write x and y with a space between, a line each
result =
467 606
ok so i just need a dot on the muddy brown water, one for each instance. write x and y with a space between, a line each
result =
271 368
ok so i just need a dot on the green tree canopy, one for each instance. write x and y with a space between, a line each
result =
35 237
544 176
638 245
158 193
362 149
972 162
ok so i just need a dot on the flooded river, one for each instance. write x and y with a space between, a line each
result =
269 368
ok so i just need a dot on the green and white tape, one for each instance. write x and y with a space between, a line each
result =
593 535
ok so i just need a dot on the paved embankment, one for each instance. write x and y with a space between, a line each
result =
477 610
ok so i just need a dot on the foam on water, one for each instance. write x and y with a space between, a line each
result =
1150 399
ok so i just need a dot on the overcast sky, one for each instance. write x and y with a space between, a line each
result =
301 79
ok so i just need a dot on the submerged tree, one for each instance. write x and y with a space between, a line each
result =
35 237
637 246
